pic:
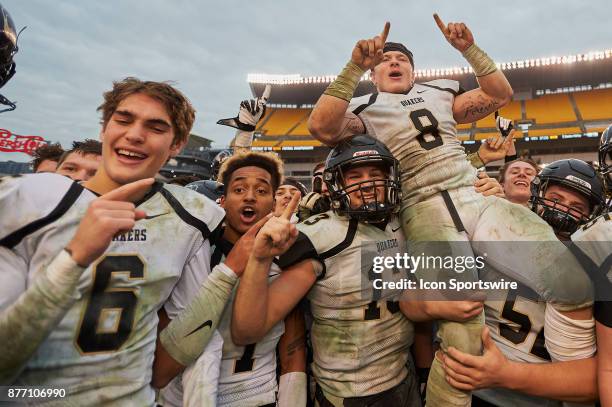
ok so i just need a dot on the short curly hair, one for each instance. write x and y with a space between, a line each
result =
87 146
269 162
179 108
51 151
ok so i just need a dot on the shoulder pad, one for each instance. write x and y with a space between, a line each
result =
194 208
447 85
29 202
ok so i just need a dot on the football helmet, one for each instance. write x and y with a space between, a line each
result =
605 156
215 165
576 175
8 48
213 190
356 151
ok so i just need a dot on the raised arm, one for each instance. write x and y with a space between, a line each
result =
259 306
329 121
494 91
249 114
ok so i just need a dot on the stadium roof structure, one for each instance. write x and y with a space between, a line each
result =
529 78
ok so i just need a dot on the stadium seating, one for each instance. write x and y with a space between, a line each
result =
288 127
550 109
595 104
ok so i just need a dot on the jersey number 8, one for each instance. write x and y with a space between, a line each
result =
418 118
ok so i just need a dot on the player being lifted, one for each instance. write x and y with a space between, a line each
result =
359 336
524 332
418 124
85 267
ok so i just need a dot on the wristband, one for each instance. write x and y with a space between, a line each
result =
475 160
345 84
481 63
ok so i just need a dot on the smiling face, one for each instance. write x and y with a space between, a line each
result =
248 198
368 192
137 140
394 74
576 204
517 182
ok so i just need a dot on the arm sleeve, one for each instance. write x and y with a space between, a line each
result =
26 322
188 334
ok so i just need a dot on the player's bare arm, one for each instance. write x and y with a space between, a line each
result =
46 301
257 306
494 91
572 381
329 121
458 311
604 363
292 356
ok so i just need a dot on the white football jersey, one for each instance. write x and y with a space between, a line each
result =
102 351
420 130
595 240
360 345
248 373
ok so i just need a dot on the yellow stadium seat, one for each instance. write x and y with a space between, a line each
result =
594 104
301 143
554 132
511 111
265 143
302 128
550 109
282 121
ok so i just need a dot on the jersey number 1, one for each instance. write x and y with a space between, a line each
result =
430 129
112 304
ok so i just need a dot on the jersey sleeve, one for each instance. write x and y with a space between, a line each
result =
13 277
316 236
194 274
355 103
447 85
200 380
29 202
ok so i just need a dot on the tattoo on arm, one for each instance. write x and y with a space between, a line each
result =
351 125
480 107
296 345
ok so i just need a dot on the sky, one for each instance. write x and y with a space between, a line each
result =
72 50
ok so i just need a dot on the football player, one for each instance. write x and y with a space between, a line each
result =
359 336
82 161
248 372
595 240
525 332
418 124
86 267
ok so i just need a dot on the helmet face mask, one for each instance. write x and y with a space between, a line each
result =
370 200
578 177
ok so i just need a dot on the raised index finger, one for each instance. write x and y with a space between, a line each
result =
129 192
440 24
385 32
290 208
